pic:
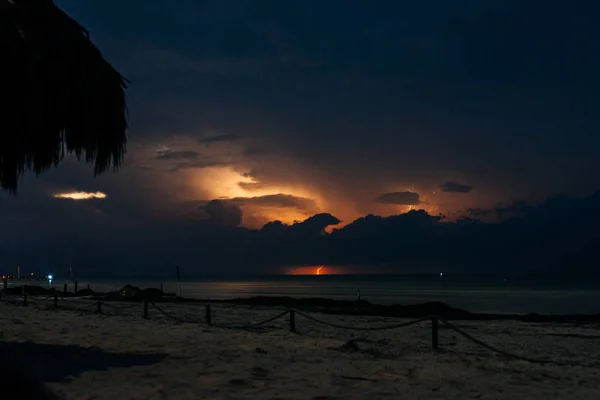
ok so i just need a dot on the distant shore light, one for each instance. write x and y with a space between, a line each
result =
80 195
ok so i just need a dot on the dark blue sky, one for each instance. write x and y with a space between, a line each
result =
344 107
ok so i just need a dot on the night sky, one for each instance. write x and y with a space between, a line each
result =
245 112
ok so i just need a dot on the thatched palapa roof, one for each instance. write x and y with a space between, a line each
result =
58 94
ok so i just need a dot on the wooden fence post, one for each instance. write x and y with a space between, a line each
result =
76 283
99 307
5 283
146 309
25 299
434 333
65 288
208 315
293 321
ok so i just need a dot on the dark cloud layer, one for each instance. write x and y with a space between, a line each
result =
166 154
222 213
557 235
209 162
229 212
207 140
399 198
278 200
455 187
516 208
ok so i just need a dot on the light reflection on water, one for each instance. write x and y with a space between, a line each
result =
481 294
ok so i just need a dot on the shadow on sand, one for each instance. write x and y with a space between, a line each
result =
26 365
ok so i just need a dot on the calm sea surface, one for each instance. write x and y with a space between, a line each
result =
475 293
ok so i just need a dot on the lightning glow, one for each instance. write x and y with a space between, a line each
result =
227 183
80 195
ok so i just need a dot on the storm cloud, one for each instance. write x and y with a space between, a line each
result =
337 108
278 200
556 235
168 154
207 140
222 213
399 198
453 187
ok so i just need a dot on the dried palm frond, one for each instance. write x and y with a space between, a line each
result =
58 94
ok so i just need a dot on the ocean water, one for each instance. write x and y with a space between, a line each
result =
538 294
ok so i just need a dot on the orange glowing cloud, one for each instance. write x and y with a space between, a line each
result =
227 172
225 182
80 195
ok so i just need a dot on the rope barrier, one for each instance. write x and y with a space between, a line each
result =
36 302
74 298
251 326
4 294
166 314
13 299
44 299
80 308
292 312
503 352
85 307
129 307
244 327
359 328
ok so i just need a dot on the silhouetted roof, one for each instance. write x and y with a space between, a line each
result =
58 93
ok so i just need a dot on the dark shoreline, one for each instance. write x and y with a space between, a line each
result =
323 305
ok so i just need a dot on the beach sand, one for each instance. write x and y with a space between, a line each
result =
118 354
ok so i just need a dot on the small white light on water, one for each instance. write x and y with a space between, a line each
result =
50 277
441 274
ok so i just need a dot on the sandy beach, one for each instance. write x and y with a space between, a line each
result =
118 354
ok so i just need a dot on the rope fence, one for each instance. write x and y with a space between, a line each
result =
500 351
359 328
111 306
435 321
